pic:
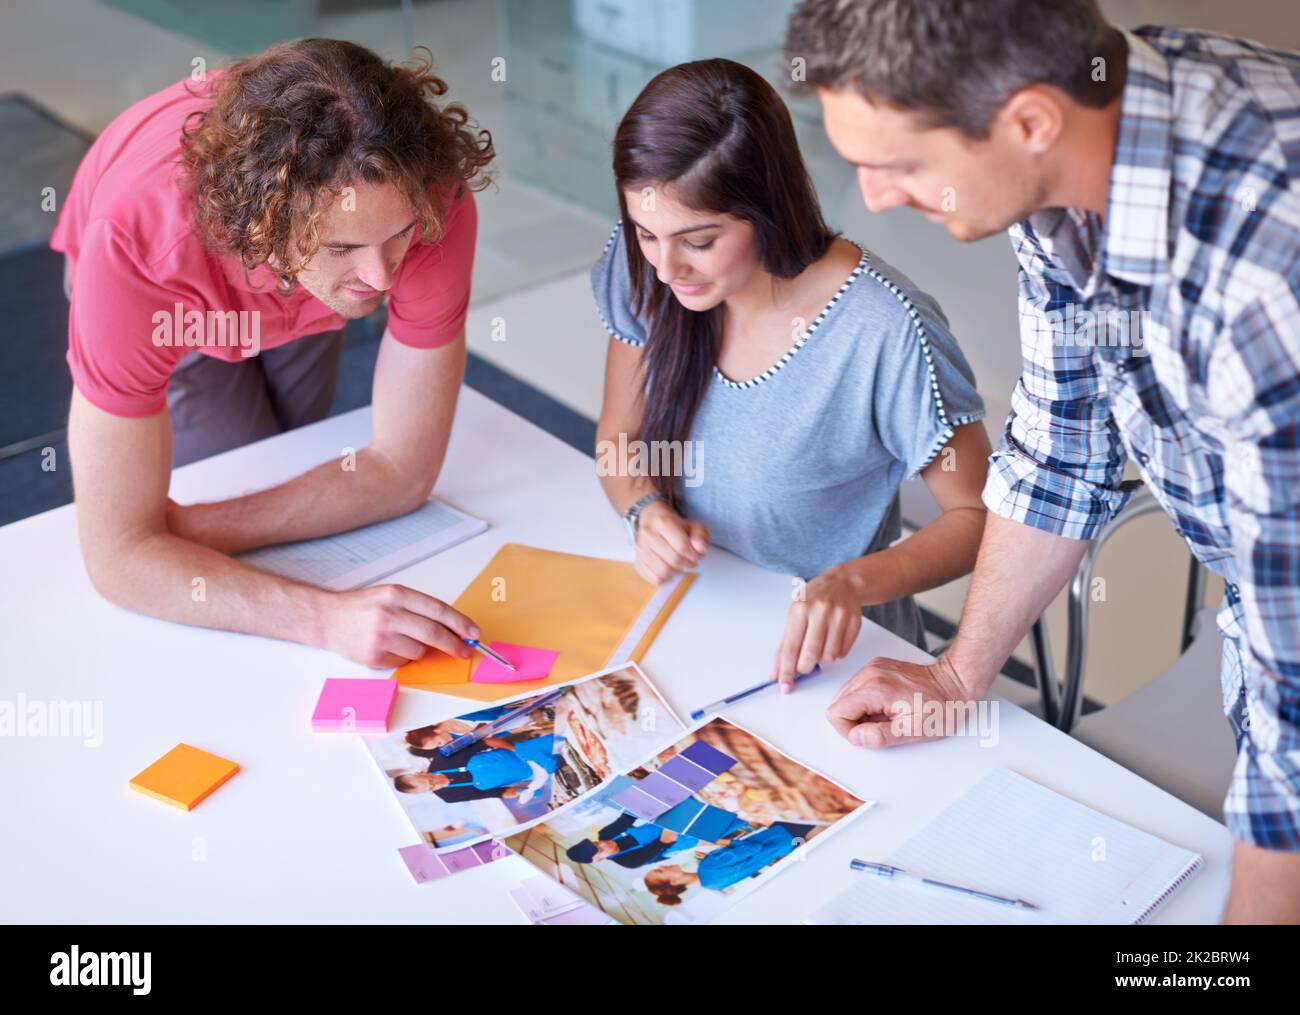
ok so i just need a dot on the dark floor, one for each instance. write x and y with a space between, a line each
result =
38 157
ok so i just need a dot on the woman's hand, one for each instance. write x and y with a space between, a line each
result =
666 543
821 627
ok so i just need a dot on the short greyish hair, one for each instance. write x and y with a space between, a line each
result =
955 62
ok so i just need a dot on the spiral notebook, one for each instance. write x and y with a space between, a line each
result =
1012 837
358 557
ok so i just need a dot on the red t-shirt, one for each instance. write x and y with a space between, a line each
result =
134 251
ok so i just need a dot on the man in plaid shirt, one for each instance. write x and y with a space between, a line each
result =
1150 184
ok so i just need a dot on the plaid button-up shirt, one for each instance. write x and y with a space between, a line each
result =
1169 335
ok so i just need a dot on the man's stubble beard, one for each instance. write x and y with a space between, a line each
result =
349 310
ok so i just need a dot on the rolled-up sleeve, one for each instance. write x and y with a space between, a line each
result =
1254 390
1060 464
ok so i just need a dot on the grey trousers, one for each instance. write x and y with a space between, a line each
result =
217 405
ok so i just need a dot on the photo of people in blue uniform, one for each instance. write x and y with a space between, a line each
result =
506 767
632 842
518 766
694 858
727 864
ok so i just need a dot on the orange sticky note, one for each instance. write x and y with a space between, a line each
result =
184 776
434 669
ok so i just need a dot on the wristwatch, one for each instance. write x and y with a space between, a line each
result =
633 514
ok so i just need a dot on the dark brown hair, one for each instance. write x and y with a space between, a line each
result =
955 62
290 127
722 137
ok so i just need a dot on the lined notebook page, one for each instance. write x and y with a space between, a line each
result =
1012 837
355 558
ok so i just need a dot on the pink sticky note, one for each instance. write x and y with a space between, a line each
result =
354 705
531 663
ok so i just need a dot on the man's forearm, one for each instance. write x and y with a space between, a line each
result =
174 579
1019 572
1265 886
333 497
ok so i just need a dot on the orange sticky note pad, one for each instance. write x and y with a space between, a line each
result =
434 669
184 776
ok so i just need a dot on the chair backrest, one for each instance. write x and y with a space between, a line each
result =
1172 730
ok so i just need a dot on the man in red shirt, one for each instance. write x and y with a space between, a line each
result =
218 235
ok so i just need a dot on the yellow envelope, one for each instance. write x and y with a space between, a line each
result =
582 607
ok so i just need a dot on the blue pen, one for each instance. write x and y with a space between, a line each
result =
475 643
486 730
884 870
718 706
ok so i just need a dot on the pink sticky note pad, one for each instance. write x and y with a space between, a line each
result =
354 705
531 663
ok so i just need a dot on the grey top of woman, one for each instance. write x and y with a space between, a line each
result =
798 469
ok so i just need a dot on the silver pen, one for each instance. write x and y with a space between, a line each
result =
475 643
884 870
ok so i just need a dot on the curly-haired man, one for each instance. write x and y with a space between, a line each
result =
218 235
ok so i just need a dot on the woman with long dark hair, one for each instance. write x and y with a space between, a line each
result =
770 384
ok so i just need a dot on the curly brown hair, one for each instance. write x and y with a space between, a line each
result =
289 128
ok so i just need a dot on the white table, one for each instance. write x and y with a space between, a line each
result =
308 832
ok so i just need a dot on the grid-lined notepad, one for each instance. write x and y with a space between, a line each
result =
1014 838
352 559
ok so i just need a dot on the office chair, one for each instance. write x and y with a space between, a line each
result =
1172 730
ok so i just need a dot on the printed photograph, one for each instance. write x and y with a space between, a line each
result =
521 759
680 838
